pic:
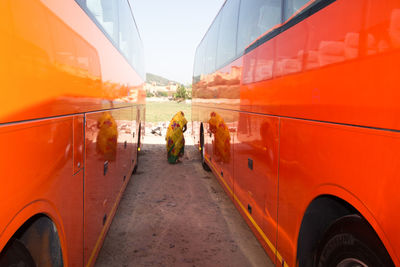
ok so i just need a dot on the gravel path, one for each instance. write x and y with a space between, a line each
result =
177 215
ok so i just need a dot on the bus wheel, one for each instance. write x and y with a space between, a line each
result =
203 160
137 150
16 254
349 242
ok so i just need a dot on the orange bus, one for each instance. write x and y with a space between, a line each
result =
295 111
71 120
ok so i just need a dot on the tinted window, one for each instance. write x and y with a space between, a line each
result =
142 67
292 6
106 13
211 48
126 31
199 60
129 40
255 18
196 62
115 19
227 32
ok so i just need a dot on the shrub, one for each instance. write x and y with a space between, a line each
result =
181 92
161 94
149 94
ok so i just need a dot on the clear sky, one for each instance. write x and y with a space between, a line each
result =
171 31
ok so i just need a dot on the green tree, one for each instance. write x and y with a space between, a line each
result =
149 94
181 92
189 94
161 94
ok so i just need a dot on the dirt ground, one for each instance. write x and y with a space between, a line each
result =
177 215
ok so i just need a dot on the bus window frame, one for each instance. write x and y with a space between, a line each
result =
82 5
312 7
284 19
303 14
234 57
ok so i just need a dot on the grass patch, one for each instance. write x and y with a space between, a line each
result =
164 111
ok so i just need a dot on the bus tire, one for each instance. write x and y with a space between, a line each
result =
137 150
203 160
351 241
16 254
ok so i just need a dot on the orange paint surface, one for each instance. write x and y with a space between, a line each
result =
315 111
59 74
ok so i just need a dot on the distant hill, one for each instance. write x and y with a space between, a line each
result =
150 78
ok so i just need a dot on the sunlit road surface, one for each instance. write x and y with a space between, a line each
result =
177 215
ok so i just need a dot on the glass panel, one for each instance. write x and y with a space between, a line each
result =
116 19
292 6
126 31
255 18
199 61
106 13
196 66
142 68
227 32
196 62
211 50
129 40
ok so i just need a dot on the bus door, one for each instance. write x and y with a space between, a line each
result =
125 146
221 125
256 171
101 141
134 133
204 118
76 194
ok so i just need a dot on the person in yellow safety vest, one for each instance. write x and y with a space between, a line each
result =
175 140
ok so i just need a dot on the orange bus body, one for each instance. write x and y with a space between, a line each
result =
311 116
62 80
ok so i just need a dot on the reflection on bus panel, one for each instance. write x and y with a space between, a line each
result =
73 110
313 125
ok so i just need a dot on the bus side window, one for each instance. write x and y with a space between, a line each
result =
227 33
126 31
199 61
211 49
106 13
129 40
292 6
130 44
257 17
